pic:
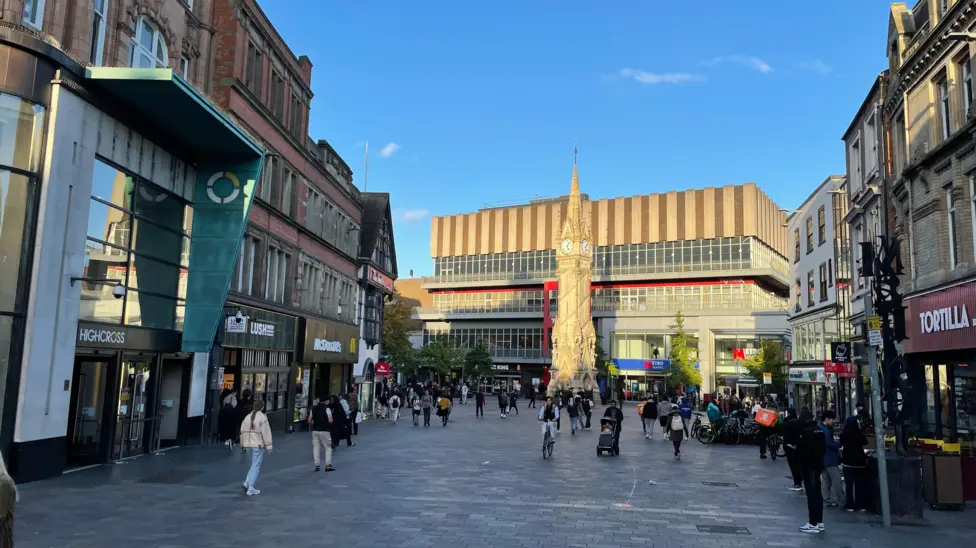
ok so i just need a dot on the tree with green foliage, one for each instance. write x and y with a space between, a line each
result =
682 370
396 335
769 359
478 363
601 362
442 356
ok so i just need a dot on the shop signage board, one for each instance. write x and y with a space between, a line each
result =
941 320
260 329
330 342
380 280
382 369
840 369
636 364
767 378
807 375
100 335
840 352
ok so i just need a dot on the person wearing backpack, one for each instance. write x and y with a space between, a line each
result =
676 429
394 408
810 451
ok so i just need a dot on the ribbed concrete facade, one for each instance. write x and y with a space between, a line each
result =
713 212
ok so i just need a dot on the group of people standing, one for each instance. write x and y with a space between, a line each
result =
816 456
672 416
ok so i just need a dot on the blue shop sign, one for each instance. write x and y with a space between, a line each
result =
636 364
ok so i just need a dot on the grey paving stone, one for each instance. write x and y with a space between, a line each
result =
408 487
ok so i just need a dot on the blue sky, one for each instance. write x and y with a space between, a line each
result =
466 103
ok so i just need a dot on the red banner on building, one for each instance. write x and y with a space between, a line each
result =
380 280
941 320
840 369
382 369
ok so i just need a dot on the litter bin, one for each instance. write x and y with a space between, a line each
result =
942 480
904 486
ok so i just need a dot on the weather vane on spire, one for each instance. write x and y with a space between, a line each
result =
575 152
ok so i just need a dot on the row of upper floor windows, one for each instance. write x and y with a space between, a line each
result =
275 89
714 254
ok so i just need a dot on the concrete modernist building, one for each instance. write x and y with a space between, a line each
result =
930 111
716 254
820 301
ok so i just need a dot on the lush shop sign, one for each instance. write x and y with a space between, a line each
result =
260 329
941 320
330 342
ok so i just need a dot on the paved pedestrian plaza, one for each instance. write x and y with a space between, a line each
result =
471 484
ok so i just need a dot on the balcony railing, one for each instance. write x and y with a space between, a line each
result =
539 275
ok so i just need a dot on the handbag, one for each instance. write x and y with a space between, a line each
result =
359 417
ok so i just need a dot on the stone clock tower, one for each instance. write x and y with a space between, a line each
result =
573 336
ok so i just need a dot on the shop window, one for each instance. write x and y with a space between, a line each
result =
823 282
809 235
821 226
149 46
796 241
21 127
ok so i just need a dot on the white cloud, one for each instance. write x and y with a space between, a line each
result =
747 61
817 66
411 216
389 150
653 78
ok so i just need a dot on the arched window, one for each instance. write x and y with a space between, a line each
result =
149 46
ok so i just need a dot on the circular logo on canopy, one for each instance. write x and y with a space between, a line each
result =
148 195
235 187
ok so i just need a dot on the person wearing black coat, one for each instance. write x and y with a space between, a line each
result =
791 438
810 451
339 422
649 416
855 463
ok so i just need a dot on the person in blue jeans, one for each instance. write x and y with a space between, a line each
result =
256 436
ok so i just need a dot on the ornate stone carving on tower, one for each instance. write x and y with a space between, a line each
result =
573 336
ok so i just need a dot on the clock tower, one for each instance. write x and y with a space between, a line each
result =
573 336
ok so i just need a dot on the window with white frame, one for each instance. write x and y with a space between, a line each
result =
871 150
823 282
945 110
185 67
312 285
276 277
288 192
148 47
269 180
811 289
944 5
855 163
34 13
243 279
972 207
98 31
966 70
858 234
953 247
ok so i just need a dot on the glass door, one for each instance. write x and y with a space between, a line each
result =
137 429
86 419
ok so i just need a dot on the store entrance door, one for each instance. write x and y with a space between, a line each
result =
173 390
89 413
137 425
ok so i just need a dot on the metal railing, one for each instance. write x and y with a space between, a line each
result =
131 435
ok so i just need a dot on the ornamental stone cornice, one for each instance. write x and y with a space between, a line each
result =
932 48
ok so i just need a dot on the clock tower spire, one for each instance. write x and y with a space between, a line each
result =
573 335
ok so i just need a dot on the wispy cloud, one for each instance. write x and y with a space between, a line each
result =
413 216
816 66
654 78
747 61
389 150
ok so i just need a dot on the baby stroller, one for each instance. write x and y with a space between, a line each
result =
609 440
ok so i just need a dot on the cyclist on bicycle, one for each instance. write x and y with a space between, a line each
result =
549 414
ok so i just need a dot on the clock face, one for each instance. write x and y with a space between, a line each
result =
585 246
567 246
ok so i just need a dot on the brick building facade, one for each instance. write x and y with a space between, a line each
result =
931 191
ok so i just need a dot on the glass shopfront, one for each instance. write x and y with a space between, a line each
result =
950 401
329 350
21 143
258 352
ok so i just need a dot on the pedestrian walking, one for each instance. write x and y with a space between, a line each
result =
394 408
502 403
676 429
532 390
649 417
384 400
256 436
320 419
587 411
663 410
243 410
574 413
443 409
354 411
811 450
833 489
226 418
464 394
426 403
340 423
479 404
855 463
684 404
792 428
416 406
513 402
8 501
